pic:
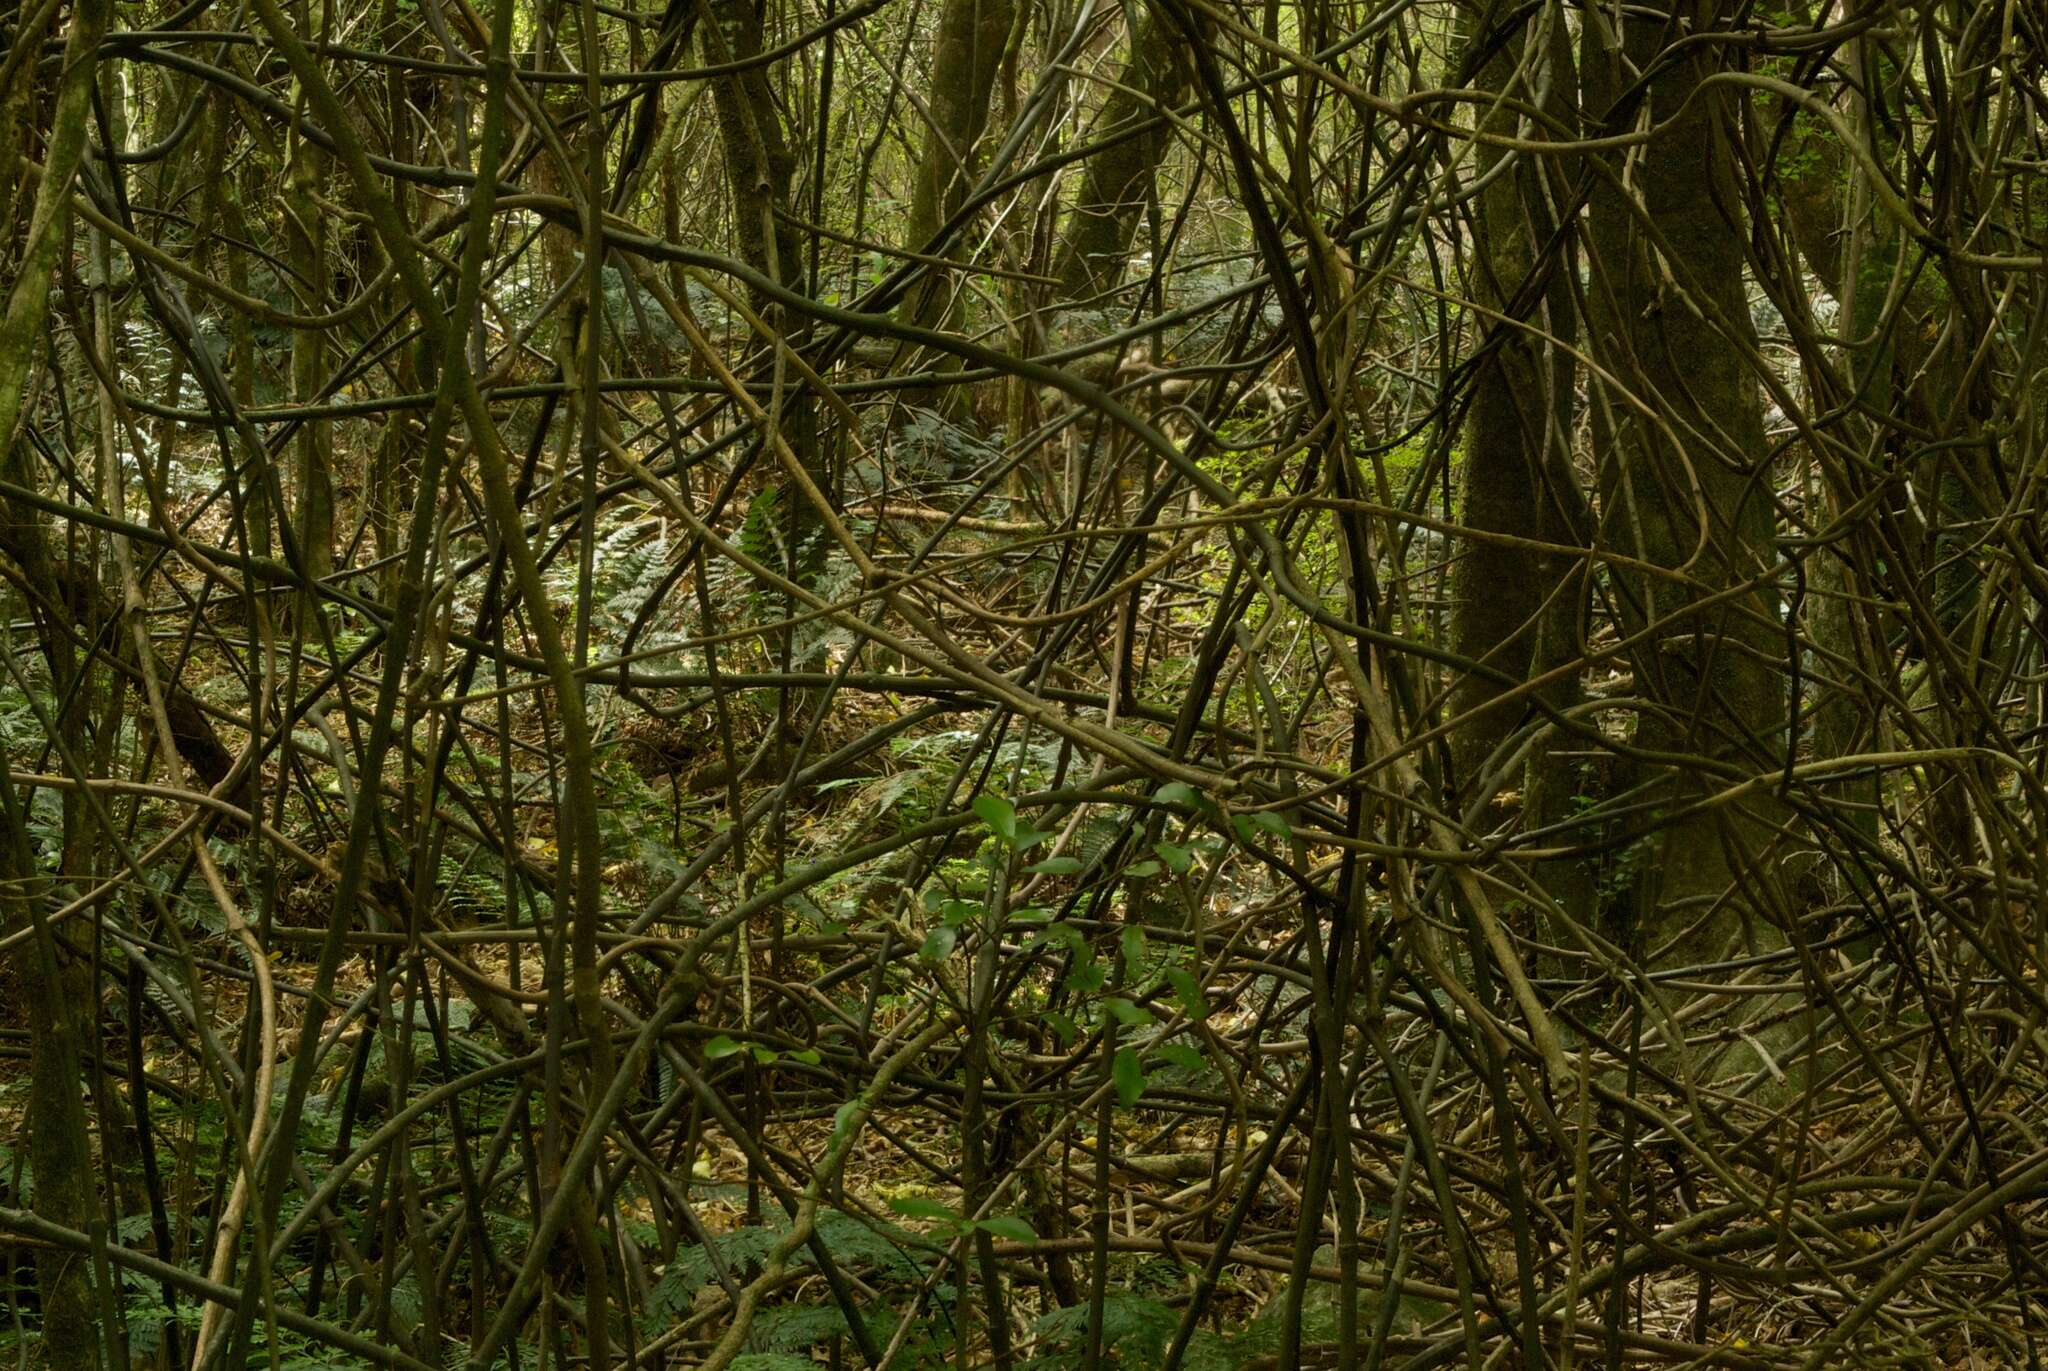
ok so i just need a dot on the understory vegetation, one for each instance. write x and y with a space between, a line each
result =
1029 684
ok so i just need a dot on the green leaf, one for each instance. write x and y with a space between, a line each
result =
1177 859
1188 991
1126 1013
999 814
767 1056
1062 1027
1182 1056
1178 793
1127 1073
1272 823
1131 943
720 1047
1001 817
808 1056
1086 978
920 1207
761 533
939 943
1003 1226
1066 935
1137 871
1055 866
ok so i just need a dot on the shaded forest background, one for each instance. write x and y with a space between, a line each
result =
1022 683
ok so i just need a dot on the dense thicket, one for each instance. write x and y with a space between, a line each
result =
743 683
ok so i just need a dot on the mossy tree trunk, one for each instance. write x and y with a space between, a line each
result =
1854 251
1515 608
1690 492
965 58
1116 182
59 998
760 168
313 446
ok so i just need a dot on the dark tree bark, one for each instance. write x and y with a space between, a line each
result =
1686 489
965 59
1117 181
759 164
760 167
59 998
1513 607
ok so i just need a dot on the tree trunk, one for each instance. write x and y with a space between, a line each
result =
1668 316
313 447
1117 181
1514 608
759 165
965 58
59 1001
